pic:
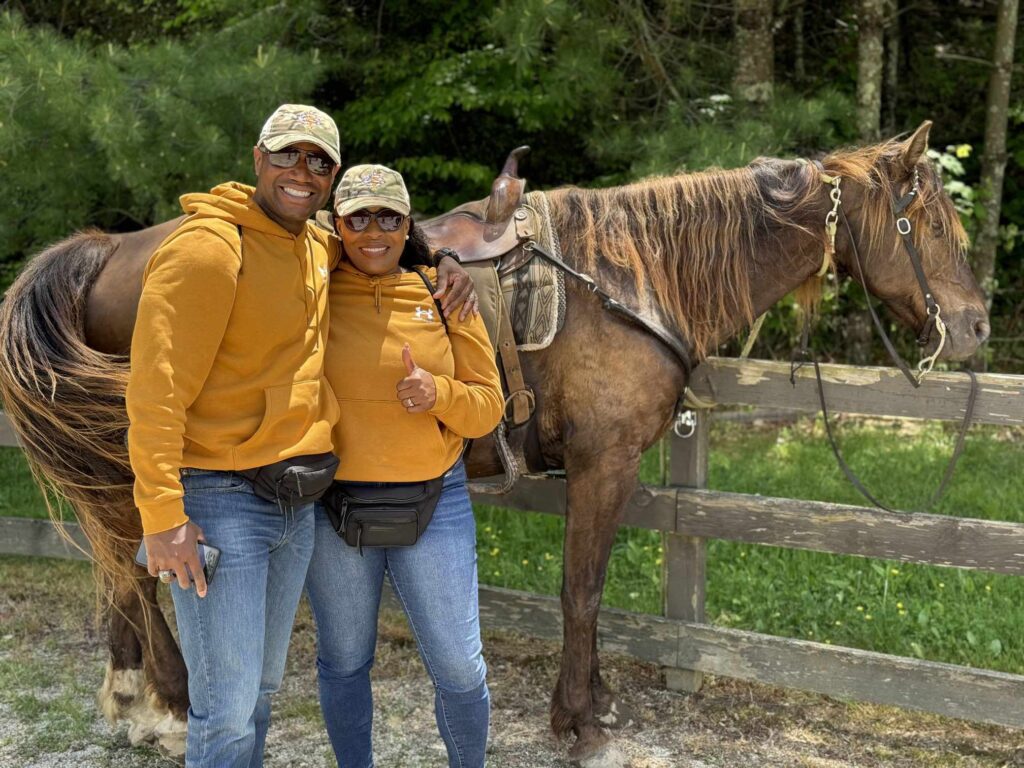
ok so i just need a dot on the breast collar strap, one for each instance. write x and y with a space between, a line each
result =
675 345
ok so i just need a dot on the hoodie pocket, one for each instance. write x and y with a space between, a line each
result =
290 411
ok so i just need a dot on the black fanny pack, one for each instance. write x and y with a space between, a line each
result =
295 481
392 515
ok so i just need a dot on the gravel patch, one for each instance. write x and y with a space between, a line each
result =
52 658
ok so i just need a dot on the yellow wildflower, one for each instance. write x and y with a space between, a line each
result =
963 150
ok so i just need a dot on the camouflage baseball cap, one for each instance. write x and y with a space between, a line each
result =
364 186
294 123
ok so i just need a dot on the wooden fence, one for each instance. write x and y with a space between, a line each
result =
688 515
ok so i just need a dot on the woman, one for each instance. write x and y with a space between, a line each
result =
410 392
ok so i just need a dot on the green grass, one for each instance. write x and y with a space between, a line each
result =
19 495
936 613
58 709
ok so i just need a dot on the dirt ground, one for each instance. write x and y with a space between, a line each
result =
52 657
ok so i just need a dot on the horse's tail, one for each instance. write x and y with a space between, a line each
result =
66 401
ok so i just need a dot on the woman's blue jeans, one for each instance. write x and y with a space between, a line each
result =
436 582
235 639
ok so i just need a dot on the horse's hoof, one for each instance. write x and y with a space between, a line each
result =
614 713
607 756
170 736
122 692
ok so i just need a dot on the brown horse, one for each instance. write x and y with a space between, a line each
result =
700 254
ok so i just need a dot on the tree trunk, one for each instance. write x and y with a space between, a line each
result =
870 23
993 159
755 51
892 66
799 67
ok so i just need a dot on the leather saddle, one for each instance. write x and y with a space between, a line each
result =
488 235
485 230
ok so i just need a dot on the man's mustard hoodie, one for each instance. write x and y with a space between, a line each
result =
372 318
228 351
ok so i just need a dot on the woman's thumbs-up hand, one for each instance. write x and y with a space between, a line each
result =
417 391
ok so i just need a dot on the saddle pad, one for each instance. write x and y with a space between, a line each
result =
535 293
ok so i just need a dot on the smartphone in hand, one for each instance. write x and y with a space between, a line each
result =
208 556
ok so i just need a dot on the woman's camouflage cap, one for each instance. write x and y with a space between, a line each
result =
365 186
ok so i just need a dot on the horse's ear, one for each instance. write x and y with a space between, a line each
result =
915 148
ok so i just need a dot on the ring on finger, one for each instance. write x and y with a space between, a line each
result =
166 576
409 402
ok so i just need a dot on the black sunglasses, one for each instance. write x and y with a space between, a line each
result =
317 163
386 219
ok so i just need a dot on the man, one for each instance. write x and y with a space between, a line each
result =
227 376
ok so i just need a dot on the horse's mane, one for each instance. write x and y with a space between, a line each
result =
692 240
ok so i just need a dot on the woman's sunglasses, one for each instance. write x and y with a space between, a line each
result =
319 164
386 219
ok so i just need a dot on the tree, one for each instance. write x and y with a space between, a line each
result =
892 67
755 51
993 159
870 17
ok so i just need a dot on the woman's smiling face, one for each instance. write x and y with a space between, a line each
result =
373 251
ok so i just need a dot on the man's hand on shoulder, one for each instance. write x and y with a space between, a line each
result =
455 288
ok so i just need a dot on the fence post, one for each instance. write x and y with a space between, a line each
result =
684 558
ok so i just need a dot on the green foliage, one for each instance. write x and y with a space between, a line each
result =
110 136
729 135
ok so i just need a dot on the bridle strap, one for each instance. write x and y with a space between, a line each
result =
886 341
904 228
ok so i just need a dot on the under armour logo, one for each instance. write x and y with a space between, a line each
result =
426 315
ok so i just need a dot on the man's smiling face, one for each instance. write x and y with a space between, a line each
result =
291 196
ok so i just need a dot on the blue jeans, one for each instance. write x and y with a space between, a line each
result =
236 638
435 581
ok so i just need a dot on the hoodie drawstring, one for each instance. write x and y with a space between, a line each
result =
309 269
376 295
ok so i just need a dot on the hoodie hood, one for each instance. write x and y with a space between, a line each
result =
233 203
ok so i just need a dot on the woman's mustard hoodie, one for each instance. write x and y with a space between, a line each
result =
372 318
228 351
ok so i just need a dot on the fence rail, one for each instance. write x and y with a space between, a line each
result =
688 514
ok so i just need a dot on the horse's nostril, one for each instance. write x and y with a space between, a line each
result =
982 330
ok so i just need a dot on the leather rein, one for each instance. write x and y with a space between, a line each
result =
933 323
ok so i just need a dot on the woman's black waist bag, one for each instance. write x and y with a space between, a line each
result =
382 515
295 481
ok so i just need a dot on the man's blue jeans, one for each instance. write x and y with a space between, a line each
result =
236 638
436 582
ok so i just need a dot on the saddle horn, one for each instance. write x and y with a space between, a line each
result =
507 189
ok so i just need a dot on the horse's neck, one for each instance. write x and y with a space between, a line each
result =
784 268
792 253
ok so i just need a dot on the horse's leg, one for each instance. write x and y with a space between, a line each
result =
165 671
146 683
609 710
599 483
124 684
